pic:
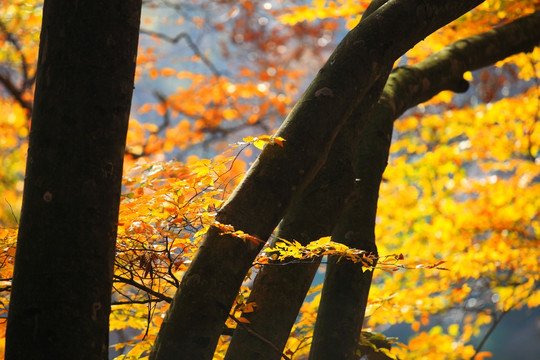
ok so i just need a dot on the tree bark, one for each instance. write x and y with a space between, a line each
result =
346 286
194 321
344 297
279 290
60 302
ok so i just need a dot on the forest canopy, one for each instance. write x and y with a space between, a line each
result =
444 144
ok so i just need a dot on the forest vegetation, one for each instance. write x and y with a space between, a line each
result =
393 146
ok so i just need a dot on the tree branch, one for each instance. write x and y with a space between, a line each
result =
193 46
280 174
416 84
15 92
405 88
142 287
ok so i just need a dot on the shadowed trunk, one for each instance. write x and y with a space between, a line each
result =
344 297
60 302
200 307
279 289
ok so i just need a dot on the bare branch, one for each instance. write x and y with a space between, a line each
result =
191 44
15 92
142 287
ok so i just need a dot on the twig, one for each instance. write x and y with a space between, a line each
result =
143 288
496 322
128 302
191 44
16 93
258 336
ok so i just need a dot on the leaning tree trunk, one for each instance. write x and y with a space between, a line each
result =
344 296
194 321
346 285
279 289
60 302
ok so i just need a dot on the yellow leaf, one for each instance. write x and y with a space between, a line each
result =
453 330
259 144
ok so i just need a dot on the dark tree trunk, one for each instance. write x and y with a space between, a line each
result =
279 290
200 307
60 302
346 286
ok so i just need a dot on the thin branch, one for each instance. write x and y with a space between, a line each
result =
15 92
166 117
258 336
143 288
15 43
172 260
496 320
191 44
494 324
12 212
128 302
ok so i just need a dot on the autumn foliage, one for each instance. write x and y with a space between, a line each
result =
458 214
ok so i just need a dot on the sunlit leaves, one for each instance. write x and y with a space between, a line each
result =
208 104
466 183
436 344
324 9
13 134
261 141
460 192
227 229
166 209
8 239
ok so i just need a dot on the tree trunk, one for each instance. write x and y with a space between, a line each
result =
279 290
344 297
62 282
194 321
346 285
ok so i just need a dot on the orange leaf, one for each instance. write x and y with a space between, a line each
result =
483 354
168 71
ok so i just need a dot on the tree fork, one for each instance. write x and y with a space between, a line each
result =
279 291
346 286
193 323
